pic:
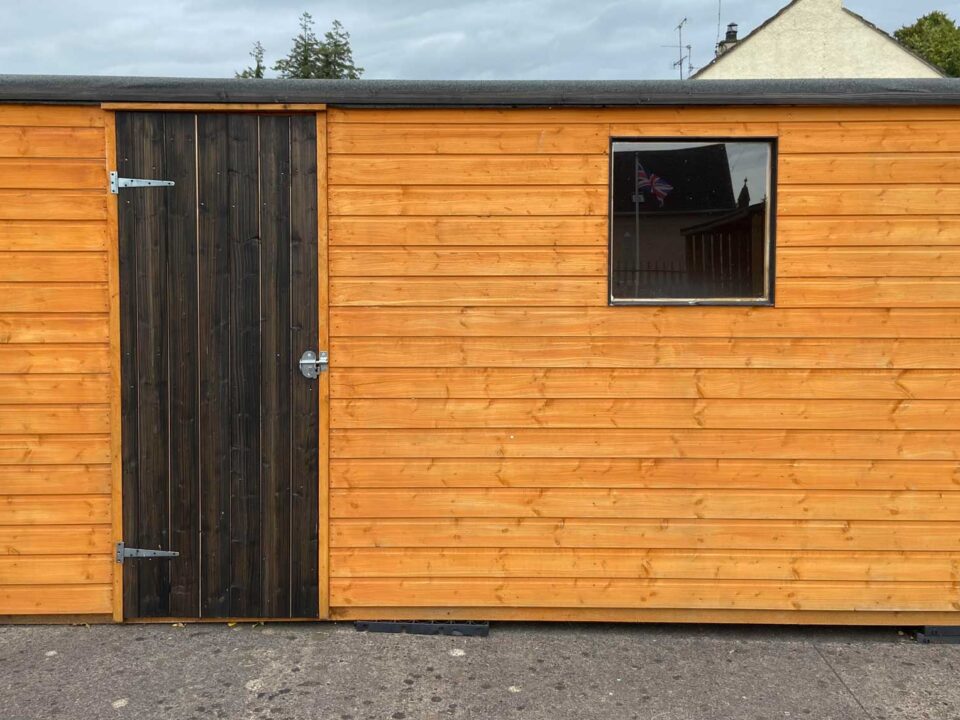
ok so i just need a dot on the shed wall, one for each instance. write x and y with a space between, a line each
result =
504 444
55 479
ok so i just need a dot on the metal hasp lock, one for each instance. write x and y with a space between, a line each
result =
124 552
117 182
312 363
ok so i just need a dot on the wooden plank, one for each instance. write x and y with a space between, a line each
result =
661 564
89 297
869 292
54 449
52 142
620 503
397 139
647 474
53 267
323 392
457 200
51 205
608 413
74 419
55 599
52 235
866 230
470 170
849 536
696 353
855 137
56 570
54 115
550 291
887 262
53 359
713 594
19 328
194 107
55 480
705 444
493 261
868 200
475 231
874 168
646 321
36 173
54 509
21 540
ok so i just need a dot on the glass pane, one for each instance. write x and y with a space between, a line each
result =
690 221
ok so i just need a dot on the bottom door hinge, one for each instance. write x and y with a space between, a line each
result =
124 552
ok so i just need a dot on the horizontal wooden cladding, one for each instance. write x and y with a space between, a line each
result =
53 236
54 509
16 390
866 230
721 322
23 540
583 413
470 170
54 480
869 168
439 230
54 328
593 291
36 173
420 261
694 353
74 419
646 473
51 205
660 564
619 593
847 535
56 570
621 443
868 200
54 449
52 142
515 383
55 599
53 267
870 137
34 115
54 297
54 359
752 504
432 200
917 261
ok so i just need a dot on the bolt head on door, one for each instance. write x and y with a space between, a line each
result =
312 363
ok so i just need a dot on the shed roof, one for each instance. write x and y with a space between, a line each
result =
78 89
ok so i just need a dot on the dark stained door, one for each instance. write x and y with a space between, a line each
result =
218 301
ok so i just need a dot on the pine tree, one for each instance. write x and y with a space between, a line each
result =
935 38
336 55
305 59
258 67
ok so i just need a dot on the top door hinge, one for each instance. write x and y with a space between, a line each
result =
117 182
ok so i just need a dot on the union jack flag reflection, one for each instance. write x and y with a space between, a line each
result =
653 184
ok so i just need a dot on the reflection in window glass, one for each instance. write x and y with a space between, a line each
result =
690 221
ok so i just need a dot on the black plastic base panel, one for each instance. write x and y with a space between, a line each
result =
424 627
939 635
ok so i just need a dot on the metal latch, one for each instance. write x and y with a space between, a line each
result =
312 364
117 182
128 552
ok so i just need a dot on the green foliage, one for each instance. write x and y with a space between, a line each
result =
258 67
935 38
310 57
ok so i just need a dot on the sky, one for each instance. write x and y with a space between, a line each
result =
404 39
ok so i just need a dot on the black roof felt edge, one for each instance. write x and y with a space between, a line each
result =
77 89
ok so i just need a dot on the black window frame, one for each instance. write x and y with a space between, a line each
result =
773 192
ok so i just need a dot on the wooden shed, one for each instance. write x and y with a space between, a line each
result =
643 351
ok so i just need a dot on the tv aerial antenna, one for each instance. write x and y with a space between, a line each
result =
685 52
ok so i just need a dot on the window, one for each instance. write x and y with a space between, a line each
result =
691 222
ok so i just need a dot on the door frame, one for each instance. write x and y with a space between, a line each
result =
323 331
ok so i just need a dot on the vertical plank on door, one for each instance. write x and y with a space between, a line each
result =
182 313
304 403
278 362
214 216
244 359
